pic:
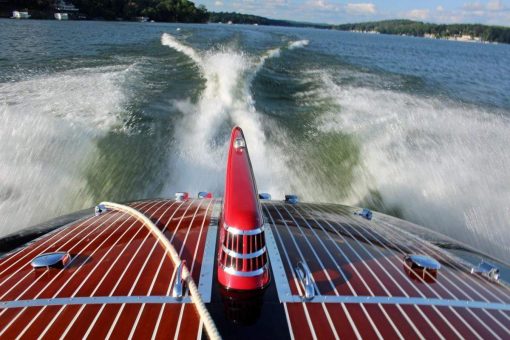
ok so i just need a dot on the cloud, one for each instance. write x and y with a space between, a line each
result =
322 5
492 5
495 5
360 8
473 6
218 3
440 8
418 14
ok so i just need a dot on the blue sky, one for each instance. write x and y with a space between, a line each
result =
337 11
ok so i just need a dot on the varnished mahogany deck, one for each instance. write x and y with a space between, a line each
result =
113 255
119 280
352 257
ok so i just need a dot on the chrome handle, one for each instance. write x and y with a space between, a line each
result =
178 281
305 277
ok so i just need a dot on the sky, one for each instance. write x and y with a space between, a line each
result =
493 12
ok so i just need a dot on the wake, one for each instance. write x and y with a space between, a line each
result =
202 135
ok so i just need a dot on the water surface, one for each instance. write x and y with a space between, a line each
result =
95 111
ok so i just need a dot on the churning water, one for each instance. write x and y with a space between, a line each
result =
118 111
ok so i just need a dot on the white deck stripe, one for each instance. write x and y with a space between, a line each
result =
200 330
288 319
411 323
138 277
454 264
57 275
71 277
310 324
99 285
465 271
406 278
104 305
30 272
119 313
326 312
85 280
111 266
279 275
389 275
177 330
135 324
473 331
156 328
445 276
346 312
340 270
296 283
471 312
58 233
369 253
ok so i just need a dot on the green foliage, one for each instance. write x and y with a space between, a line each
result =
159 10
419 29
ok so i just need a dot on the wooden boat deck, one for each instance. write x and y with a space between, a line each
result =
358 271
113 257
119 280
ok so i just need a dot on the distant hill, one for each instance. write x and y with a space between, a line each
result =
186 11
473 32
420 29
248 19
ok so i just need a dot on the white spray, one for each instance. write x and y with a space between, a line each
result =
49 125
226 101
444 164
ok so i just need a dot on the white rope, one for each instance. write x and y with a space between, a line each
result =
210 327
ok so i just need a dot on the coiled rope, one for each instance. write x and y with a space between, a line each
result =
209 324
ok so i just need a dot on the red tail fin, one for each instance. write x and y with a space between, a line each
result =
242 258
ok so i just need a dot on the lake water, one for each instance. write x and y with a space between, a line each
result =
417 128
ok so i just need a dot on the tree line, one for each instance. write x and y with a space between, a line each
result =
419 29
186 11
158 10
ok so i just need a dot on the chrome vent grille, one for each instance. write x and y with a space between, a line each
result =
243 251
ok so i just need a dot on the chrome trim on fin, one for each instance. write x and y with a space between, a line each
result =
232 271
237 231
243 256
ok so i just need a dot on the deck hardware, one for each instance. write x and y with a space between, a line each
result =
239 143
422 267
264 196
178 281
305 277
365 213
205 194
99 209
51 260
292 199
487 270
181 196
